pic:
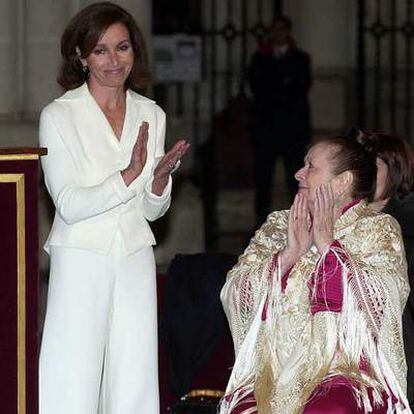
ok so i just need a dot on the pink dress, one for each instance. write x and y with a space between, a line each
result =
335 399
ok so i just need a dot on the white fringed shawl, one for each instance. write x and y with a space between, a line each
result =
283 358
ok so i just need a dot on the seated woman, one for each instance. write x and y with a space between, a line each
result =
393 195
315 302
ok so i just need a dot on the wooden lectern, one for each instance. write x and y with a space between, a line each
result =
19 333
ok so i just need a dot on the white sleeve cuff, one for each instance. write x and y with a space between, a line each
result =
123 192
158 199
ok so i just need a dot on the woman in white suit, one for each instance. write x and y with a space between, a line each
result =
108 176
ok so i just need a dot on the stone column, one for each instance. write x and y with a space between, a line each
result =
44 23
326 29
10 45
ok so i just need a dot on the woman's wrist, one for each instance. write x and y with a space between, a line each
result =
323 245
159 184
128 175
288 258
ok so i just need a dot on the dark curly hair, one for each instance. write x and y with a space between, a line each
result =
84 31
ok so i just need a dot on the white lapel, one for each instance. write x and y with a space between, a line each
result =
139 109
94 138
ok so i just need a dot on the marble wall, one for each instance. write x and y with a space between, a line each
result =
326 29
29 51
30 33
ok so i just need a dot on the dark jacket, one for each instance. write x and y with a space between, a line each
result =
280 85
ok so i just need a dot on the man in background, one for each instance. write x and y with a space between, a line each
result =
280 78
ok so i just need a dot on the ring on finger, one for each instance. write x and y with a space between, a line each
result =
173 166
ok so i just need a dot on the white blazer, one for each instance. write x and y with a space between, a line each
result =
82 172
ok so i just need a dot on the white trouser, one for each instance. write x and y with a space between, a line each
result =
99 346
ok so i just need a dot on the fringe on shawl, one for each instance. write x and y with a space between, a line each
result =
357 330
243 378
353 332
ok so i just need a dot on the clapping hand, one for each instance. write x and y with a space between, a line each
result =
164 167
167 165
323 217
138 156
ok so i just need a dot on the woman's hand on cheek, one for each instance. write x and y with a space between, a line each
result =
299 231
323 217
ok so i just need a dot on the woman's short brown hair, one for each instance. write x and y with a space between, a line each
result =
399 158
84 31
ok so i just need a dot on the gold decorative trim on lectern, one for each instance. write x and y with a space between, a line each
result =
204 393
18 157
21 153
18 180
